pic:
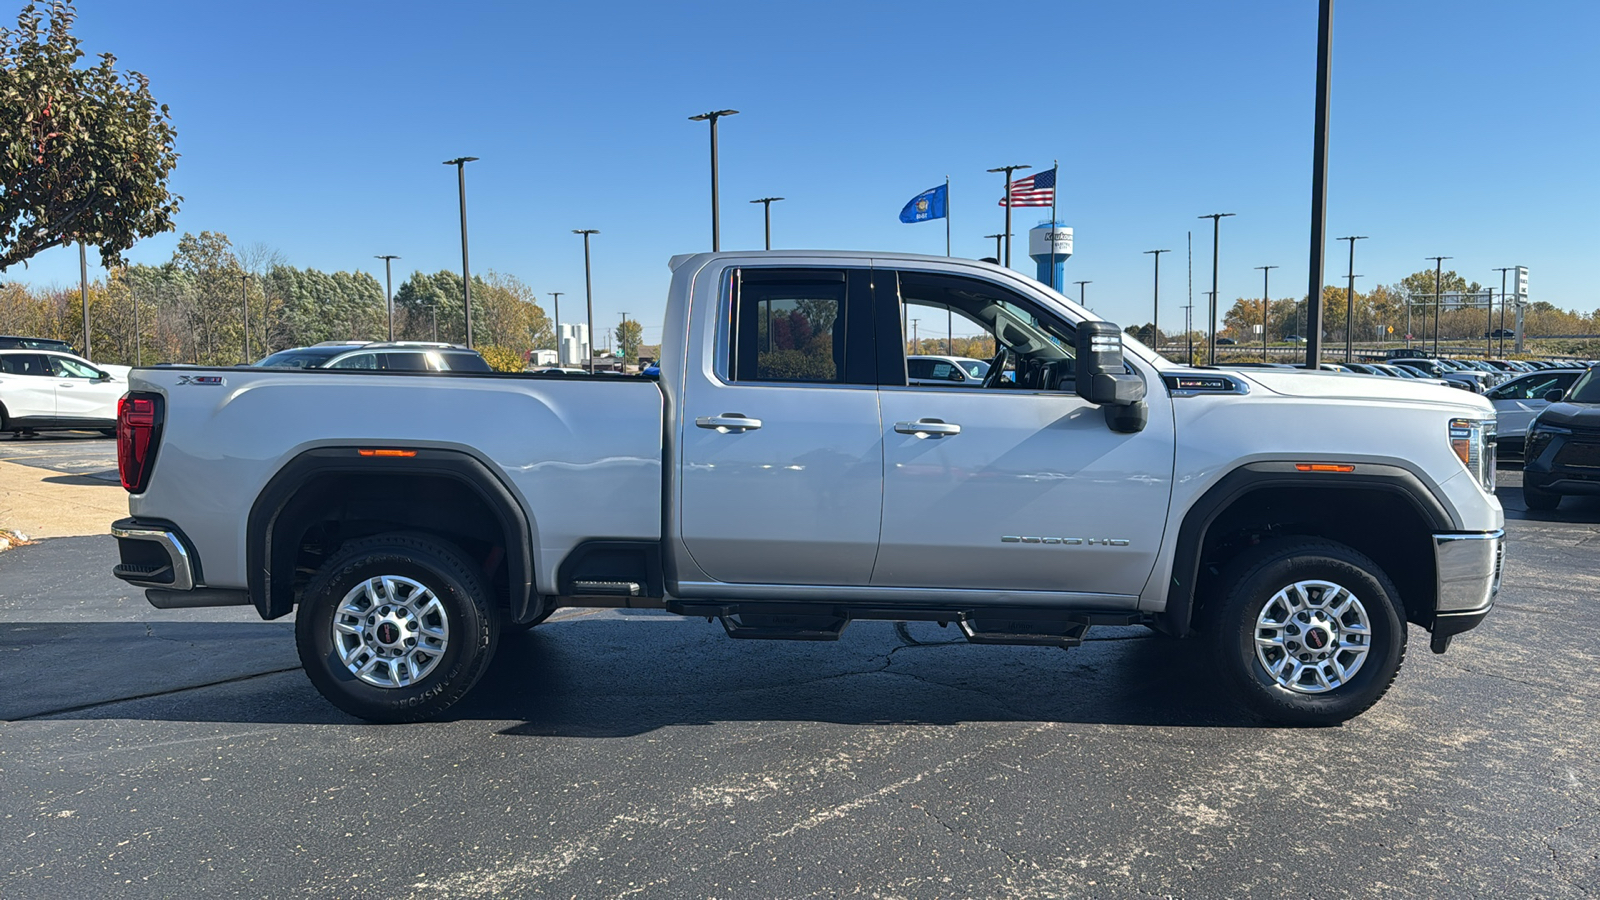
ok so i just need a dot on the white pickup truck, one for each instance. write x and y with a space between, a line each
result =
783 477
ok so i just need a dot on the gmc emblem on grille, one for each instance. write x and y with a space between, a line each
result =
1067 541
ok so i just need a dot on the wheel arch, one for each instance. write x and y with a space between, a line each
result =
1262 497
473 506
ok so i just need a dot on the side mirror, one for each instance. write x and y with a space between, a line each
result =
103 376
1554 396
1103 379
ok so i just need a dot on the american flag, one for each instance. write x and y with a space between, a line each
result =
1035 190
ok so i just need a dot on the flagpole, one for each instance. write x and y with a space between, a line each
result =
1055 164
947 215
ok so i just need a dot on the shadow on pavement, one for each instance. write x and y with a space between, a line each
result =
624 675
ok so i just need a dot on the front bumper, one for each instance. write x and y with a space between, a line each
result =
1468 568
1562 460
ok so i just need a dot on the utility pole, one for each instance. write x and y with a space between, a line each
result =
1007 230
1319 185
1350 299
712 117
588 287
997 239
766 204
556 301
916 342
466 270
138 336
1216 234
1488 335
244 301
1266 304
1438 296
388 288
620 345
1155 311
1081 301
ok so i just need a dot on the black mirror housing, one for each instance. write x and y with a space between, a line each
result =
1554 396
1101 376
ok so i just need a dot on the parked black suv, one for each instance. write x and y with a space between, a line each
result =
15 342
1563 449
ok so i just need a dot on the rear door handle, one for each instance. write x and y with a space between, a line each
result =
924 428
735 423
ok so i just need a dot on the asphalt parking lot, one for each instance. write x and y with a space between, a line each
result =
147 753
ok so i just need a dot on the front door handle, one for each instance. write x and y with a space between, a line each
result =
925 428
735 423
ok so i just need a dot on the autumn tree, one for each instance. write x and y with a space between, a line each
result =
630 334
87 151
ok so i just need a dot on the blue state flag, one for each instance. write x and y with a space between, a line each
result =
933 203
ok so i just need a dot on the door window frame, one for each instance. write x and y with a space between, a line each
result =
859 337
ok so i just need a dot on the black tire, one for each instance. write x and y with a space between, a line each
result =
1541 500
1250 583
109 432
442 569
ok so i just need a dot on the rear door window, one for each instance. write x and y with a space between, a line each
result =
800 326
24 364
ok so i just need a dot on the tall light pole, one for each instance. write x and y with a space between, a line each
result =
1155 311
997 239
83 284
555 299
388 288
712 117
1350 299
1007 231
1503 272
1319 185
1081 301
1216 233
588 288
766 203
1438 296
244 301
138 336
460 163
1266 305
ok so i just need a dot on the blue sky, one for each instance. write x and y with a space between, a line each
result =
1459 127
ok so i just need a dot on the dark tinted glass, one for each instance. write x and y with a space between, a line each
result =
299 359
465 362
399 361
1587 390
790 331
24 364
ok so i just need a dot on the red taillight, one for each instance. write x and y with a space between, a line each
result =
138 416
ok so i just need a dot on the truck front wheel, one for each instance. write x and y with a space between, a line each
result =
1307 631
396 628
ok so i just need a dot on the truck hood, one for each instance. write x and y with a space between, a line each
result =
1570 415
1377 388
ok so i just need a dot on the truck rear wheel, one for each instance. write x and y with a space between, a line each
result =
1307 631
396 628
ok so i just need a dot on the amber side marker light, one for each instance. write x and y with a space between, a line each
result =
1324 467
387 452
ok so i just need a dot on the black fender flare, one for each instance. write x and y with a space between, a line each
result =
1258 476
274 517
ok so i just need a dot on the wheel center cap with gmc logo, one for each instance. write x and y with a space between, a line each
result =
1318 637
388 633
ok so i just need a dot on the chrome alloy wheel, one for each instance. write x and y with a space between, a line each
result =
1313 636
390 631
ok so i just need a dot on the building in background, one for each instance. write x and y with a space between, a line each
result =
573 342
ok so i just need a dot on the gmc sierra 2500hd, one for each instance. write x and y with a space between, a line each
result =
784 477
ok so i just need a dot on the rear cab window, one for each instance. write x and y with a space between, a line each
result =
798 326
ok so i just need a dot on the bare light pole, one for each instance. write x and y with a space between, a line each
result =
1319 185
997 239
1438 296
588 284
388 288
1350 299
556 300
138 336
1216 233
712 117
83 284
1266 305
766 203
1503 272
1488 336
1007 232
1080 285
1155 312
460 163
244 301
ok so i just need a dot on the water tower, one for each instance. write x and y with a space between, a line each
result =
1042 240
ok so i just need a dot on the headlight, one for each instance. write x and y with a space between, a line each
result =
1473 441
1540 435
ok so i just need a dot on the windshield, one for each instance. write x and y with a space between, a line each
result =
976 368
302 358
1587 390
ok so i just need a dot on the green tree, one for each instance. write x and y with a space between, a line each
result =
87 151
630 335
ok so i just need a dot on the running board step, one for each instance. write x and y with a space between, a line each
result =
784 626
1008 627
607 589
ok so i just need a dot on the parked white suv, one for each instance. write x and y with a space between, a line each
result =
45 390
945 370
396 356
